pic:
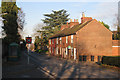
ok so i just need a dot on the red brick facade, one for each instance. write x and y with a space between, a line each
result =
90 41
116 48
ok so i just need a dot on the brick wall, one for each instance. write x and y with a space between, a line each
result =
115 47
94 39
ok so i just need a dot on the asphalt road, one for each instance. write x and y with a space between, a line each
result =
43 66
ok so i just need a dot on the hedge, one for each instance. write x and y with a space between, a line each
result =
111 60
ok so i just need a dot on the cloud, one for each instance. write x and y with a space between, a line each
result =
106 12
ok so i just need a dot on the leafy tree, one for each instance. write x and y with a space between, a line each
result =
54 21
12 23
118 32
107 26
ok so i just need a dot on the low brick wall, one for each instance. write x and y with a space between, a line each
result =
116 48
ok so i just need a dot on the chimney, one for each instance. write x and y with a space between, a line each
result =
64 26
85 19
70 20
74 23
83 14
76 20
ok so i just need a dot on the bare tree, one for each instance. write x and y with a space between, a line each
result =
37 28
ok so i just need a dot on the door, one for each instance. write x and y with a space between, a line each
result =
74 53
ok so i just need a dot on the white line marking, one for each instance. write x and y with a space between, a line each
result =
45 73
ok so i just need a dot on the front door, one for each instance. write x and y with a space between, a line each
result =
74 53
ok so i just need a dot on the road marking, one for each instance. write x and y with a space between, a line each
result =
45 72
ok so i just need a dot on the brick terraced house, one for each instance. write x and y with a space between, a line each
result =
87 41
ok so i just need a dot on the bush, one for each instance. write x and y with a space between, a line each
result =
111 60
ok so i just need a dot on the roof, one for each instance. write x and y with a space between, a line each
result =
69 31
14 44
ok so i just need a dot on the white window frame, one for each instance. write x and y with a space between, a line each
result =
60 40
50 41
75 56
66 39
71 38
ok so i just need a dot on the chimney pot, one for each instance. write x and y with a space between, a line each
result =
83 14
76 20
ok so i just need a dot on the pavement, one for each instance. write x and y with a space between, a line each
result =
62 68
21 69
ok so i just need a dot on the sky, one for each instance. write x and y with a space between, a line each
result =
34 10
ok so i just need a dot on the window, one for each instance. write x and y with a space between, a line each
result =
66 50
50 50
74 53
66 39
71 38
57 40
92 58
50 41
80 58
60 50
53 50
60 40
84 58
56 50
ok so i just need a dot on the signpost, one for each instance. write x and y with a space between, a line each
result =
28 41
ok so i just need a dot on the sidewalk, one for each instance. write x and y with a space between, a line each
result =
21 69
62 68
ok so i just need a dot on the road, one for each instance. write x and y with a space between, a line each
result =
45 66
62 68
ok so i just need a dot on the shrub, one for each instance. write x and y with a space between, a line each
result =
111 60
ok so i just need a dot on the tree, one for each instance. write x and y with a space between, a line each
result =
11 23
118 32
21 19
107 26
54 21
